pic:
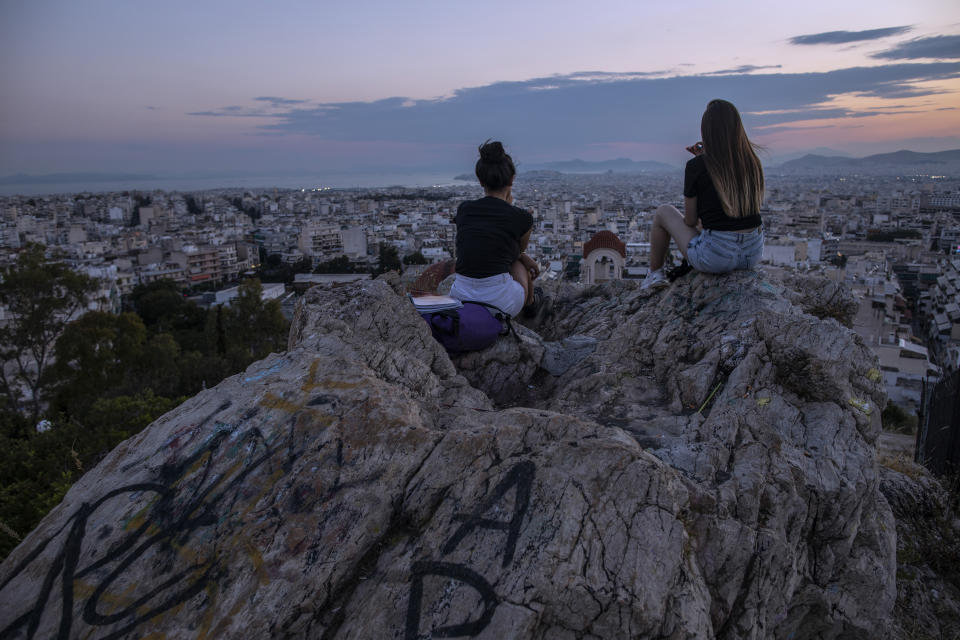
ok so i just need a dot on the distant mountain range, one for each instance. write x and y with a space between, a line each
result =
900 159
770 160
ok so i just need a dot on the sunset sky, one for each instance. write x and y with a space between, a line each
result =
227 85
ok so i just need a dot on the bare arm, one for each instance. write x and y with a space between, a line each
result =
525 240
690 217
532 268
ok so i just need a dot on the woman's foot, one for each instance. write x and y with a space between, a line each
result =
680 271
531 309
655 280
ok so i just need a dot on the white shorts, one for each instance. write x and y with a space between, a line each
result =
501 290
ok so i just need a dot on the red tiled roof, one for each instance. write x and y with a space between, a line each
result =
605 240
432 276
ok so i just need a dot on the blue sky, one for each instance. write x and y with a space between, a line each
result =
104 85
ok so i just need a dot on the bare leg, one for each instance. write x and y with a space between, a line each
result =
659 243
519 273
668 223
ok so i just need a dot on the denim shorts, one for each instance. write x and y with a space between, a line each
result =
723 251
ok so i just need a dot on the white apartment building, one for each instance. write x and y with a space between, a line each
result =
320 242
904 366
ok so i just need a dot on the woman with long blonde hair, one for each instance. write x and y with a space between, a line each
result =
723 192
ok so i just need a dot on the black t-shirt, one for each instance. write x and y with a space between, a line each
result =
488 236
697 184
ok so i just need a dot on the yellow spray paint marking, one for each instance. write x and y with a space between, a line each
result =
336 384
762 402
137 520
115 602
190 556
211 611
202 460
139 517
861 405
271 401
873 375
257 559
312 376
312 382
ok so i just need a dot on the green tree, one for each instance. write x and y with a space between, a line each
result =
273 269
199 371
274 260
896 418
389 260
164 310
303 265
97 354
155 301
158 370
102 355
415 258
340 264
35 473
255 328
192 207
42 297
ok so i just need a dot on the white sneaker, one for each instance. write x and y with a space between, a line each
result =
655 280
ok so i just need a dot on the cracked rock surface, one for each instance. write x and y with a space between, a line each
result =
697 462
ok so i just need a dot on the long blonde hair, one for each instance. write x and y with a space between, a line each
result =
731 160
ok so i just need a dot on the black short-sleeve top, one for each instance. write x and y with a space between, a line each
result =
697 184
488 236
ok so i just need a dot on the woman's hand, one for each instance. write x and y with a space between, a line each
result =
696 149
531 266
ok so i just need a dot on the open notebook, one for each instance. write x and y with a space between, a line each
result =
431 303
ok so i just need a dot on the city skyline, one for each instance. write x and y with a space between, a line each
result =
372 87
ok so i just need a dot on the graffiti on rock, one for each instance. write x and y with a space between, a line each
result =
520 478
188 498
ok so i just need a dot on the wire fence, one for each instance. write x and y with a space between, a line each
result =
938 437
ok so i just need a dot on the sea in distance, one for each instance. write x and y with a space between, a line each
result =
95 183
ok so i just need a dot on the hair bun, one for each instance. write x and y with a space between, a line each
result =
492 151
495 168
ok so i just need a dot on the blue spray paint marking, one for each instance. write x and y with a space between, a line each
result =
266 372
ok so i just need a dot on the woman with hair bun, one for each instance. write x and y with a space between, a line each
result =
723 191
492 235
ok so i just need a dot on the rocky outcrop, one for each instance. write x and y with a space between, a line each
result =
692 463
928 552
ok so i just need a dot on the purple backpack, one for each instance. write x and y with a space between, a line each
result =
470 328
